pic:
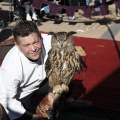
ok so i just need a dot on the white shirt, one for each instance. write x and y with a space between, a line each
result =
19 77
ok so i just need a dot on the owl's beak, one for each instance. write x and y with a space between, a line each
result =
60 44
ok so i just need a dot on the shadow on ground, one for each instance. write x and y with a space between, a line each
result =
5 34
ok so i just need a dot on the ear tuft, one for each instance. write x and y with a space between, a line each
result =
51 33
71 33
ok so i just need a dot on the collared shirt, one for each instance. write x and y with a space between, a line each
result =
19 77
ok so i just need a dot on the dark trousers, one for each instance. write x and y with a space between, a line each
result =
31 101
29 8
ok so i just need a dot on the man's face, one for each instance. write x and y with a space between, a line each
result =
30 46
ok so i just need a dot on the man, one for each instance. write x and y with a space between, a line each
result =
22 73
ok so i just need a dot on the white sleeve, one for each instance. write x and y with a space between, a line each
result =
8 88
47 43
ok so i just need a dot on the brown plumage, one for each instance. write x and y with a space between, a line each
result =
62 62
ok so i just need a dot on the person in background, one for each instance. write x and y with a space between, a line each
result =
22 73
97 9
27 5
82 2
29 8
76 3
16 5
117 10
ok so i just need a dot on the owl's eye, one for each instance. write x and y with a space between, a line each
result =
66 39
56 40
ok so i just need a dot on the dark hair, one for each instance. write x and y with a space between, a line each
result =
24 28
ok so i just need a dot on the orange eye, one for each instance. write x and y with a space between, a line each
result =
66 39
56 40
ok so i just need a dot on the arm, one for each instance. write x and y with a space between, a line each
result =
51 98
26 116
36 117
8 90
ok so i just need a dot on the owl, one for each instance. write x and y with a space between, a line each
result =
62 63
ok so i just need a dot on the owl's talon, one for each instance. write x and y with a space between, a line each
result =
58 89
65 88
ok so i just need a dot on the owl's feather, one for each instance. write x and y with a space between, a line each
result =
62 62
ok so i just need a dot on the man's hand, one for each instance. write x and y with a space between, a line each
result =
51 98
36 117
45 106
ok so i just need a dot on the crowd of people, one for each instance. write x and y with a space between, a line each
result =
29 9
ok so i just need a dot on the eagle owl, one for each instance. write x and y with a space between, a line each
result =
62 62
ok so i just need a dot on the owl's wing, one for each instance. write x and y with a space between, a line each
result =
77 61
49 63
